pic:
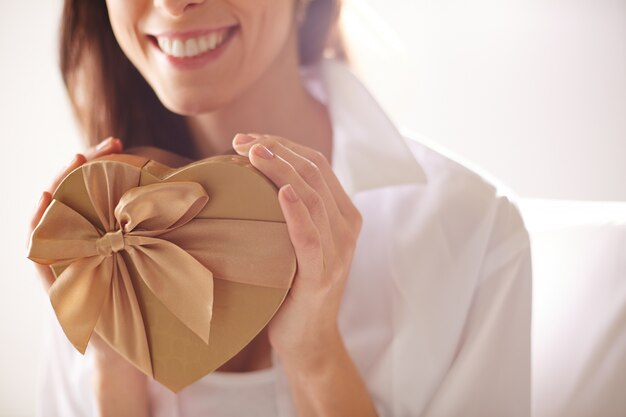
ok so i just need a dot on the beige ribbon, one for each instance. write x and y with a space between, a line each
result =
151 225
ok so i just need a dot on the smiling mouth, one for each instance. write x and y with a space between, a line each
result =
192 47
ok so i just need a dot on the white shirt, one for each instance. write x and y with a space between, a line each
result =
437 309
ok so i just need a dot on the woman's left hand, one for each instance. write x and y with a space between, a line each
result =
323 226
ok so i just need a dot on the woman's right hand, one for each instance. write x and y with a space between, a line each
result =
119 388
107 146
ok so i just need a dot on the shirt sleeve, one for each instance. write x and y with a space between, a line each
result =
490 374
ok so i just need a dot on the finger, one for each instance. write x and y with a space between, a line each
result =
344 203
107 146
43 203
308 171
77 161
281 173
47 277
304 235
44 271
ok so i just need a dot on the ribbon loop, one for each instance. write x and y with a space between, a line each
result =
156 208
110 243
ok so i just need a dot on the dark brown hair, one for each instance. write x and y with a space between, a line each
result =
110 97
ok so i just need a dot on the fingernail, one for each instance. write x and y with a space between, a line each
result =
263 152
291 194
104 143
241 139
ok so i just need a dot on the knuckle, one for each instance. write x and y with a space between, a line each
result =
311 241
311 173
269 141
357 220
278 139
318 158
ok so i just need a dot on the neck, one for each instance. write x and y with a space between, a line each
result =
277 104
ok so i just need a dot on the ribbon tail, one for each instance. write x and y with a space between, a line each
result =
78 296
121 323
177 279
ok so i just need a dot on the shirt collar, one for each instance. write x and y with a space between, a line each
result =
368 151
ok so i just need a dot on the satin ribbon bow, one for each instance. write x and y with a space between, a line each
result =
95 290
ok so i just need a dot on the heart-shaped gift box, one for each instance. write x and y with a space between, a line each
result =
178 269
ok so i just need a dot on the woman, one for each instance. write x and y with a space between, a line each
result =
412 295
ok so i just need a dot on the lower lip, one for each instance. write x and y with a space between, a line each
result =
198 61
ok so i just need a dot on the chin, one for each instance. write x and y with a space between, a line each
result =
192 106
190 101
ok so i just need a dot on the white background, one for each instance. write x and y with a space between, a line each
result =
533 92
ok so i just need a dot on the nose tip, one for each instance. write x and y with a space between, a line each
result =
176 8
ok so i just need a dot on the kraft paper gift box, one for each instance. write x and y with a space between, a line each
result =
177 269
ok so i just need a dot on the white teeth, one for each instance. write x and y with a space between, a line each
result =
211 41
178 48
164 44
203 45
191 47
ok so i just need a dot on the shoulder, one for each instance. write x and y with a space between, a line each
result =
462 259
469 197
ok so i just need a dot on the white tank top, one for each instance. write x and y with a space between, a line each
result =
220 394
